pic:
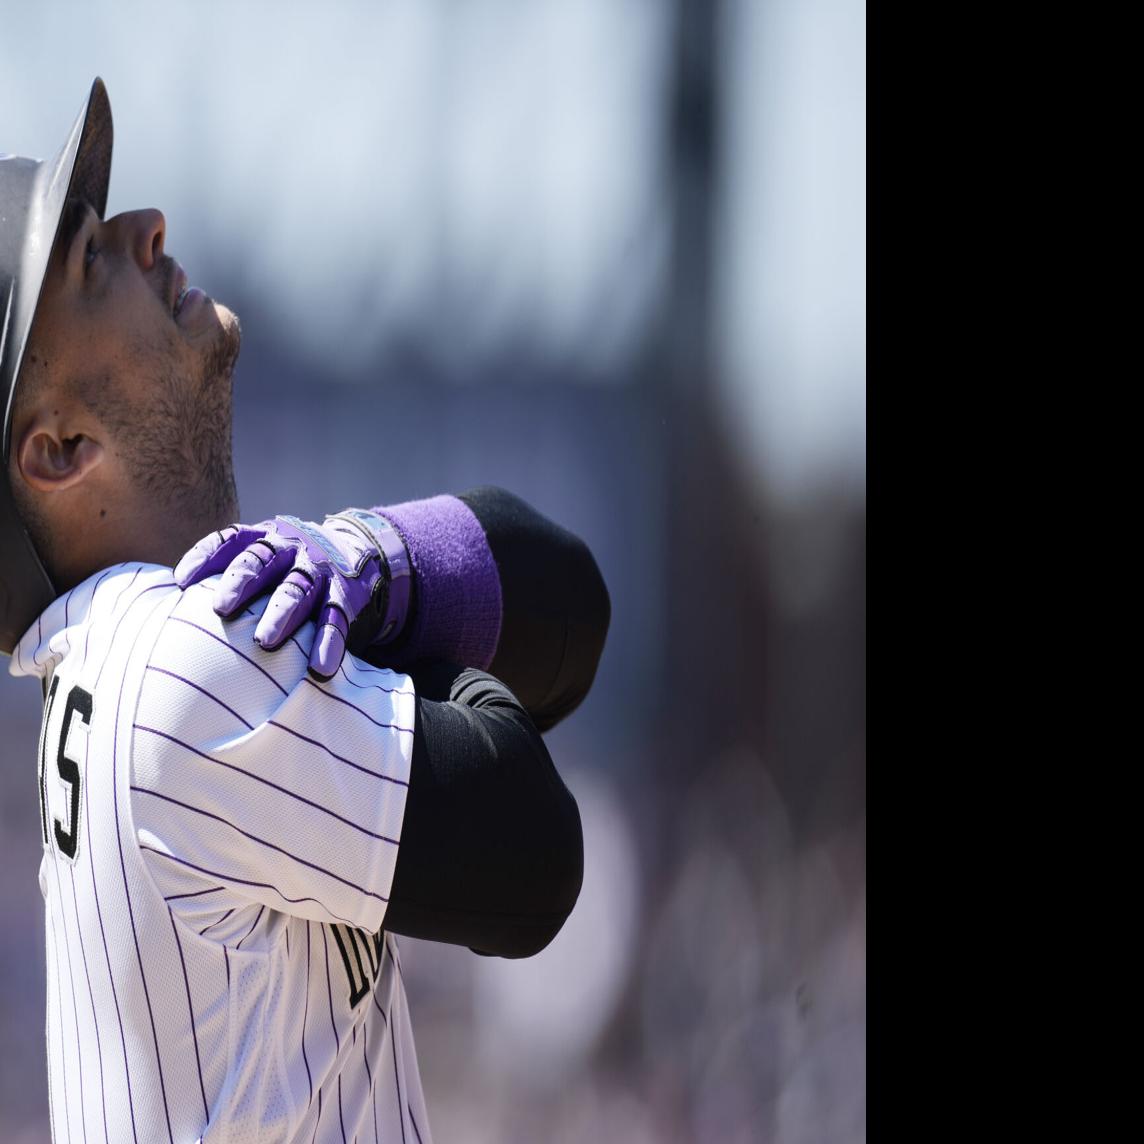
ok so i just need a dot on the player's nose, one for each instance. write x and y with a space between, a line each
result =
143 232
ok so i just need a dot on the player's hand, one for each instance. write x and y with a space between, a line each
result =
351 574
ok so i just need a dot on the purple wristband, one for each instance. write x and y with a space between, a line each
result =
457 612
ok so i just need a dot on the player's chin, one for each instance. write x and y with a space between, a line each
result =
216 332
229 336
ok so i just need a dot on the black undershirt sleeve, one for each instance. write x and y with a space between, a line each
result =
554 603
491 852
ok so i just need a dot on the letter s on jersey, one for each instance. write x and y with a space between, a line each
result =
79 703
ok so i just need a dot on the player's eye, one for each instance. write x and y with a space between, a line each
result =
89 253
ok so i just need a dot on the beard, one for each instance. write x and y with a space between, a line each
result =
177 438
207 432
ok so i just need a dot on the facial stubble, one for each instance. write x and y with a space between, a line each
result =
177 436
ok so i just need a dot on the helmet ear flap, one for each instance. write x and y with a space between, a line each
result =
32 198
25 587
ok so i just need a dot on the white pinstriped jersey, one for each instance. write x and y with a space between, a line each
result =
220 834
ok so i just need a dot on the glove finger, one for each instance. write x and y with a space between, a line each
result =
329 641
251 573
289 608
213 553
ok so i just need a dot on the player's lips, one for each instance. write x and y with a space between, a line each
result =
186 296
187 300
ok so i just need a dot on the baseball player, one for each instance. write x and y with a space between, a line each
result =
239 814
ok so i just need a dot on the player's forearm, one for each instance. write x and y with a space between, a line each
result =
491 852
498 585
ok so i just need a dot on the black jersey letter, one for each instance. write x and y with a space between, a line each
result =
79 703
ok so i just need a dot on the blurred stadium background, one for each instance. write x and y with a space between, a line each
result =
609 254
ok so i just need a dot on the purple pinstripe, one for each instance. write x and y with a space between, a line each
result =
103 933
248 882
91 605
377 1006
192 894
391 946
201 690
119 622
267 782
91 998
369 1075
334 755
279 726
60 1014
191 1011
268 845
75 1013
333 1026
355 707
257 919
372 686
305 1014
230 647
361 665
216 922
123 867
397 1081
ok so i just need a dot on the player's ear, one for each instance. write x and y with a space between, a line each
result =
53 456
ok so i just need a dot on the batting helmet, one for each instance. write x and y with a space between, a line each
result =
32 198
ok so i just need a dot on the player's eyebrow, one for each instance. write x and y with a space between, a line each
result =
71 222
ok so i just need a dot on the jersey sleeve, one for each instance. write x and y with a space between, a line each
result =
249 776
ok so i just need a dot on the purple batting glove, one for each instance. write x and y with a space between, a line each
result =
214 553
351 573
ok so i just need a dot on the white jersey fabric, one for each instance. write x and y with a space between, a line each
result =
220 835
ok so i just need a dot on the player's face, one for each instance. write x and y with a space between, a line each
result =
153 357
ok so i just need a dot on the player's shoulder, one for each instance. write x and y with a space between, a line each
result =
108 606
220 655
207 681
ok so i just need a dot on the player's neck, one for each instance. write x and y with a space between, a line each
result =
121 532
